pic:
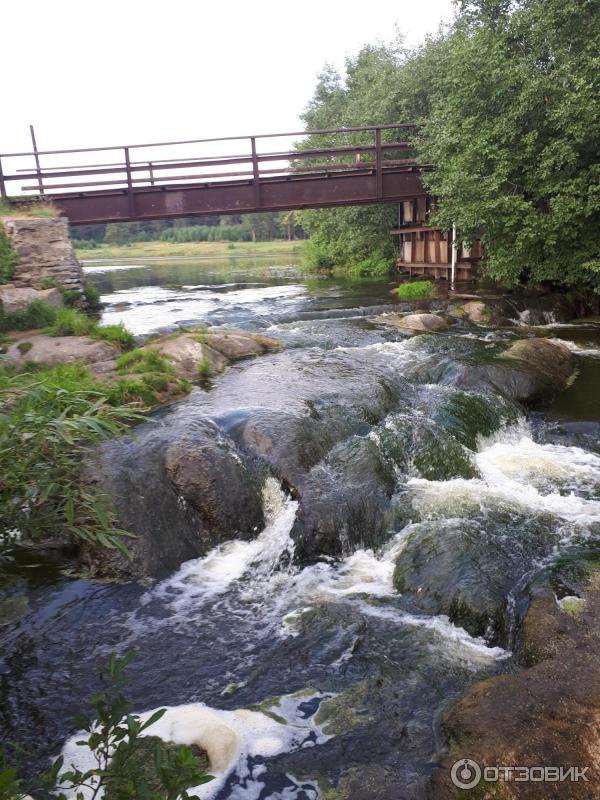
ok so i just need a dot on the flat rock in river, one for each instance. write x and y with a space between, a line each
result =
421 323
240 344
187 353
38 348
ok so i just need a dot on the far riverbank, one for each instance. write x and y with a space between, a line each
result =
189 250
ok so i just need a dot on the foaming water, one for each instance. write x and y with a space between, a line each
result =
517 472
149 308
204 578
234 741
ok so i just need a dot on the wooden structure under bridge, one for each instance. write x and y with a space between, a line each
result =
427 251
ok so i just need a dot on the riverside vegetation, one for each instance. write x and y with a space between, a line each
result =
128 764
507 100
54 412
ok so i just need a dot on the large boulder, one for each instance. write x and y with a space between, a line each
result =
15 299
549 357
528 371
180 492
547 715
49 350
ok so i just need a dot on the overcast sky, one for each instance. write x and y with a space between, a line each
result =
124 71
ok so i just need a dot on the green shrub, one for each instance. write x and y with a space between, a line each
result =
144 360
204 368
126 763
8 257
416 290
70 322
142 390
371 268
51 417
92 297
71 297
84 244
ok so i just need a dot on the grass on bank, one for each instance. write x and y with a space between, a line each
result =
50 417
8 257
63 322
416 290
190 249
33 209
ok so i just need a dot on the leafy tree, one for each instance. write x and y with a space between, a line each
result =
368 94
263 226
508 103
513 132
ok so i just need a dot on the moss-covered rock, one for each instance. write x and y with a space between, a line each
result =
343 712
464 568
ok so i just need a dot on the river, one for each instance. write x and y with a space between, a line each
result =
304 666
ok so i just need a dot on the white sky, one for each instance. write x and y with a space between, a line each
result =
98 72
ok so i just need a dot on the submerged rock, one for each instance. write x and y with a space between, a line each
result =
12 609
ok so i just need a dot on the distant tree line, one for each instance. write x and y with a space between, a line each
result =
263 227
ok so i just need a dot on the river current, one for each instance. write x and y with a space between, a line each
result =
303 673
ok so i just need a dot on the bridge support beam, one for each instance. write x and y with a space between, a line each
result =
241 197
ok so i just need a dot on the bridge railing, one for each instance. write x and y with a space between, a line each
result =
130 168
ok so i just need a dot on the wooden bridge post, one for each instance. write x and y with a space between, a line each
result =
255 172
37 161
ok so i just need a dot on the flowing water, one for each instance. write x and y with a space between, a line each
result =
294 661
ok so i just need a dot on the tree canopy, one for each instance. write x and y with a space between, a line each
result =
508 103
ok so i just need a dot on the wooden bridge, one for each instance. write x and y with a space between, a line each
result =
176 179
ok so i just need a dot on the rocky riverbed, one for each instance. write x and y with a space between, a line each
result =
364 551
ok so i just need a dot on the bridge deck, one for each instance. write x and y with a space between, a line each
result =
154 187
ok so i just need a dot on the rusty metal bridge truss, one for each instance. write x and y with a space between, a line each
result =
162 180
